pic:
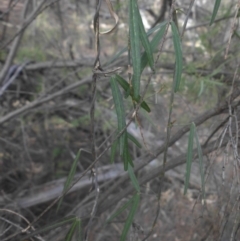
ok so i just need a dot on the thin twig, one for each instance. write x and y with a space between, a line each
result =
95 77
187 17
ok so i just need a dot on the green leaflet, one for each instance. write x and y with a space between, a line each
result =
189 157
154 43
133 179
215 10
151 31
178 53
76 226
200 157
130 217
79 229
145 42
157 27
125 85
123 139
118 102
120 210
144 105
126 156
134 35
71 231
134 140
193 134
70 177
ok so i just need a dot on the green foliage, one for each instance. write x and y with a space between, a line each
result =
215 10
178 53
133 179
135 49
75 228
128 91
141 49
193 134
134 140
123 140
154 43
160 29
127 159
116 143
118 101
200 158
145 42
133 202
189 157
130 217
120 210
71 231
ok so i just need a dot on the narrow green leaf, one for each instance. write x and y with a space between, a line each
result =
126 156
157 27
70 177
215 10
118 54
79 229
134 140
133 179
135 46
113 151
201 88
145 42
200 157
130 161
71 231
124 84
144 105
52 226
154 43
120 210
178 52
118 101
130 217
189 157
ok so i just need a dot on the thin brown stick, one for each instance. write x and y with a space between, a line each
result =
95 77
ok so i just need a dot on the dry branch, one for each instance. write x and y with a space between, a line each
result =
53 189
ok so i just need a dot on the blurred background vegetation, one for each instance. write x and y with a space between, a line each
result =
44 120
